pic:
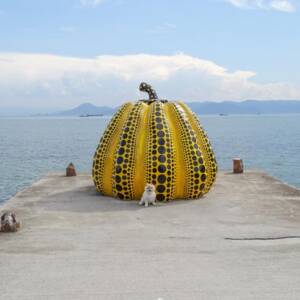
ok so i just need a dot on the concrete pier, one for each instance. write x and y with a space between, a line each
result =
241 241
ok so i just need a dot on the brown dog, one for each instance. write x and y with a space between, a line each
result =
9 222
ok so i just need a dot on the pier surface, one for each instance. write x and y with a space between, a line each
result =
241 241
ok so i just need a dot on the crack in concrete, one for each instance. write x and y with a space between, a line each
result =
263 238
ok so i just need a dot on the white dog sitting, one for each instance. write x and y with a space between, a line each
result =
149 195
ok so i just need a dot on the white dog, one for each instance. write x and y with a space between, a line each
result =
149 195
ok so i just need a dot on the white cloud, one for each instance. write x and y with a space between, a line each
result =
280 5
285 6
50 80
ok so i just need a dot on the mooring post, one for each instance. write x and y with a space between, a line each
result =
70 170
238 166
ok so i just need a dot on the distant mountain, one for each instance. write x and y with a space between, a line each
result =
206 108
202 108
246 107
87 109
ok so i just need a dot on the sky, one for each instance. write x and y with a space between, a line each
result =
61 53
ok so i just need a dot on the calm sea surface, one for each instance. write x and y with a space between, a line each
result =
32 147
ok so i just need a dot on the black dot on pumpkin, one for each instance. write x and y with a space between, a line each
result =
161 149
120 160
196 181
154 176
118 178
160 134
200 160
118 169
162 168
196 175
123 143
196 169
161 188
121 196
202 169
203 177
161 141
125 136
161 178
162 158
119 187
202 186
121 151
154 170
160 197
158 120
159 126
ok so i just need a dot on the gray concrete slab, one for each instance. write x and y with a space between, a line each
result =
75 244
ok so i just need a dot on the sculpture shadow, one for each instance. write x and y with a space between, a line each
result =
88 200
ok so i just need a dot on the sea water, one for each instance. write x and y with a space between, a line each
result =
32 147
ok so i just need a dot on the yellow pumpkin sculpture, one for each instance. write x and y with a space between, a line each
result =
154 141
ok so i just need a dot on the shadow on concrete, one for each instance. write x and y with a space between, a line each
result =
88 200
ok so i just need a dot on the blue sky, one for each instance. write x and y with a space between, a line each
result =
62 53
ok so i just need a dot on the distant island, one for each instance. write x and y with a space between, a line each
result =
246 107
206 108
87 115
202 108
87 110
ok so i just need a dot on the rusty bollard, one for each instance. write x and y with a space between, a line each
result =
70 170
238 166
9 222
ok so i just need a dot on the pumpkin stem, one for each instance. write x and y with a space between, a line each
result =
145 87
